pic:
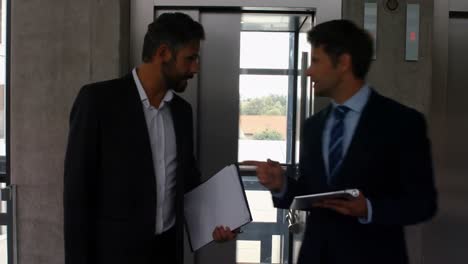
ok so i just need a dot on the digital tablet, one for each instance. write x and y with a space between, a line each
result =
304 202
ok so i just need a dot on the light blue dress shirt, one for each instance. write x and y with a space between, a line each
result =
356 104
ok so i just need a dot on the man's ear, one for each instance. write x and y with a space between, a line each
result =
345 62
163 53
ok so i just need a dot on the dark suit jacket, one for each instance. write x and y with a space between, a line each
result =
389 159
109 183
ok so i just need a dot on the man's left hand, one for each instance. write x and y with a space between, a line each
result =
223 234
355 207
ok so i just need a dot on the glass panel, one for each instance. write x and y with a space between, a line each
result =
304 46
2 77
264 50
3 204
255 86
247 251
263 107
3 245
412 32
266 111
265 240
370 20
275 249
261 206
271 22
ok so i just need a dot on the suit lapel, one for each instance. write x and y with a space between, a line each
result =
179 123
317 152
138 129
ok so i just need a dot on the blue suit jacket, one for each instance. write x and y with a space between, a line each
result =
389 160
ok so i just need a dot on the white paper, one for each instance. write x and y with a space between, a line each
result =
218 201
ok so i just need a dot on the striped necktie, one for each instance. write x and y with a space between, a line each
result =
335 148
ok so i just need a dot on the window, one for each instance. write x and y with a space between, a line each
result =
270 45
5 215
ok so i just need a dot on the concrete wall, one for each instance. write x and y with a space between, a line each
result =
56 47
458 5
407 82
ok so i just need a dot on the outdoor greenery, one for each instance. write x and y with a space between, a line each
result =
267 105
268 135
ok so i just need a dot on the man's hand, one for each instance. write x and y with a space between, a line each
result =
223 234
355 207
269 174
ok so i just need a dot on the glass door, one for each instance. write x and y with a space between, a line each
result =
270 114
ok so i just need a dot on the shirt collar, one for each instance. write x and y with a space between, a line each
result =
357 102
143 97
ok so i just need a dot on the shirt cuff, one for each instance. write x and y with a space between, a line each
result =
283 190
368 219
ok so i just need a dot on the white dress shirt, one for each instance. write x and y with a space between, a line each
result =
163 147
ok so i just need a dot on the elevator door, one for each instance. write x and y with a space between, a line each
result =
448 237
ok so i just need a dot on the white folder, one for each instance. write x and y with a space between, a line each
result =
219 201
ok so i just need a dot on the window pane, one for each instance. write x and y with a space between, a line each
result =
2 76
304 46
3 204
264 50
263 122
247 251
3 245
265 239
261 206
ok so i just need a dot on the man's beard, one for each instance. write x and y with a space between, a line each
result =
176 83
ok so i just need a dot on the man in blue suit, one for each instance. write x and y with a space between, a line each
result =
361 140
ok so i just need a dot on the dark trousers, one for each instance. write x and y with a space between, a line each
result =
165 246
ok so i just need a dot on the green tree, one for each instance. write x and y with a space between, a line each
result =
267 105
268 135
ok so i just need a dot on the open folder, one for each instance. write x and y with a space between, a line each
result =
219 201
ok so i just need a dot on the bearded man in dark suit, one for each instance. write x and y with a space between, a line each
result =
129 158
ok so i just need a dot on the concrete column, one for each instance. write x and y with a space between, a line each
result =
56 47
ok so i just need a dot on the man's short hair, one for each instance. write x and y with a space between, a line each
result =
172 29
338 37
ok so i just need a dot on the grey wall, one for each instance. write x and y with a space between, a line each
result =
458 5
56 47
407 82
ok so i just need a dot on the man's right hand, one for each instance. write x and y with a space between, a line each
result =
269 174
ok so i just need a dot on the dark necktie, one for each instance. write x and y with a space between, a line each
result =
335 148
